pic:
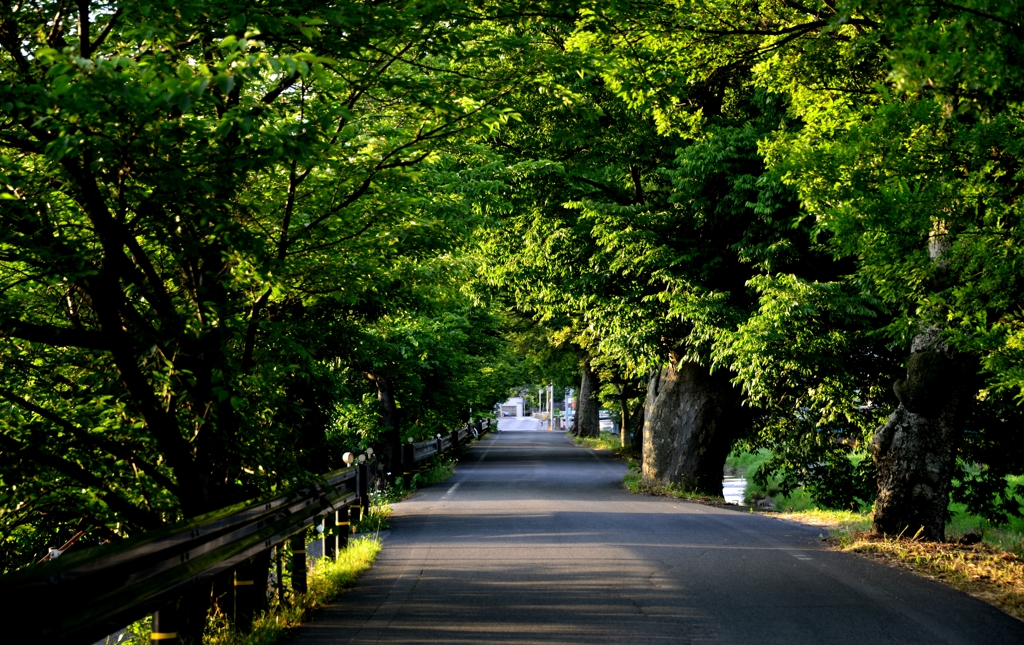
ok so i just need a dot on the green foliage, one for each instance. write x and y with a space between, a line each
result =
216 219
437 471
898 140
232 234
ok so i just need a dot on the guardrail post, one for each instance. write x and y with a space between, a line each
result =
408 463
440 445
455 441
361 506
345 527
279 564
298 544
331 535
250 589
363 487
165 625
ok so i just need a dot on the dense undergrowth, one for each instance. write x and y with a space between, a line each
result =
1006 536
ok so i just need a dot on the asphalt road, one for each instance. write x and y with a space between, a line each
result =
534 541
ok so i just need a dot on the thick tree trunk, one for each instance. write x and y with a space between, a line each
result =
389 449
636 426
691 419
915 451
588 422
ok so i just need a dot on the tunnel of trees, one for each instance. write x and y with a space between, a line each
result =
240 238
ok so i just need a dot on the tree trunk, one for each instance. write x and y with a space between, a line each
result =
389 449
588 422
636 426
691 419
915 451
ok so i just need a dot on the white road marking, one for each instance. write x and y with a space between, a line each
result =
451 491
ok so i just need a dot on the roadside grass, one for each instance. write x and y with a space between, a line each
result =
435 473
992 570
604 441
376 517
326 582
980 570
633 481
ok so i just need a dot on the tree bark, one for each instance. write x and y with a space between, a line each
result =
636 426
915 451
389 450
588 422
691 419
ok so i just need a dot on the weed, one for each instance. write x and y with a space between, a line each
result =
604 441
375 519
633 482
326 581
436 472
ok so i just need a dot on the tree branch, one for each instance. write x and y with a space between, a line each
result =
115 449
102 37
56 336
118 504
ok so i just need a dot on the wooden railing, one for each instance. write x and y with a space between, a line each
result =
415 453
84 595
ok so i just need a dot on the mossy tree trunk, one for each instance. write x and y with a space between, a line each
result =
588 422
691 419
915 451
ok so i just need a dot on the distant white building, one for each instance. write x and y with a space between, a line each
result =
513 407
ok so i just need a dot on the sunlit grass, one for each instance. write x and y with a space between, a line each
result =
375 518
633 481
604 441
327 580
985 572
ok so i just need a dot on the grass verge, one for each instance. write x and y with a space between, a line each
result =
980 570
634 483
604 441
438 471
326 581
378 515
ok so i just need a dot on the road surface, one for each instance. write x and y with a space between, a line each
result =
534 541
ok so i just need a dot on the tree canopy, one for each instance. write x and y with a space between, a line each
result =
238 239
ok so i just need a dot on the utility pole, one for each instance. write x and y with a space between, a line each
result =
551 406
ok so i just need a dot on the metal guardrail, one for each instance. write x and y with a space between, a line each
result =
414 453
84 595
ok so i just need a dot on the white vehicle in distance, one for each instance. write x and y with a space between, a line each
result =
605 423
